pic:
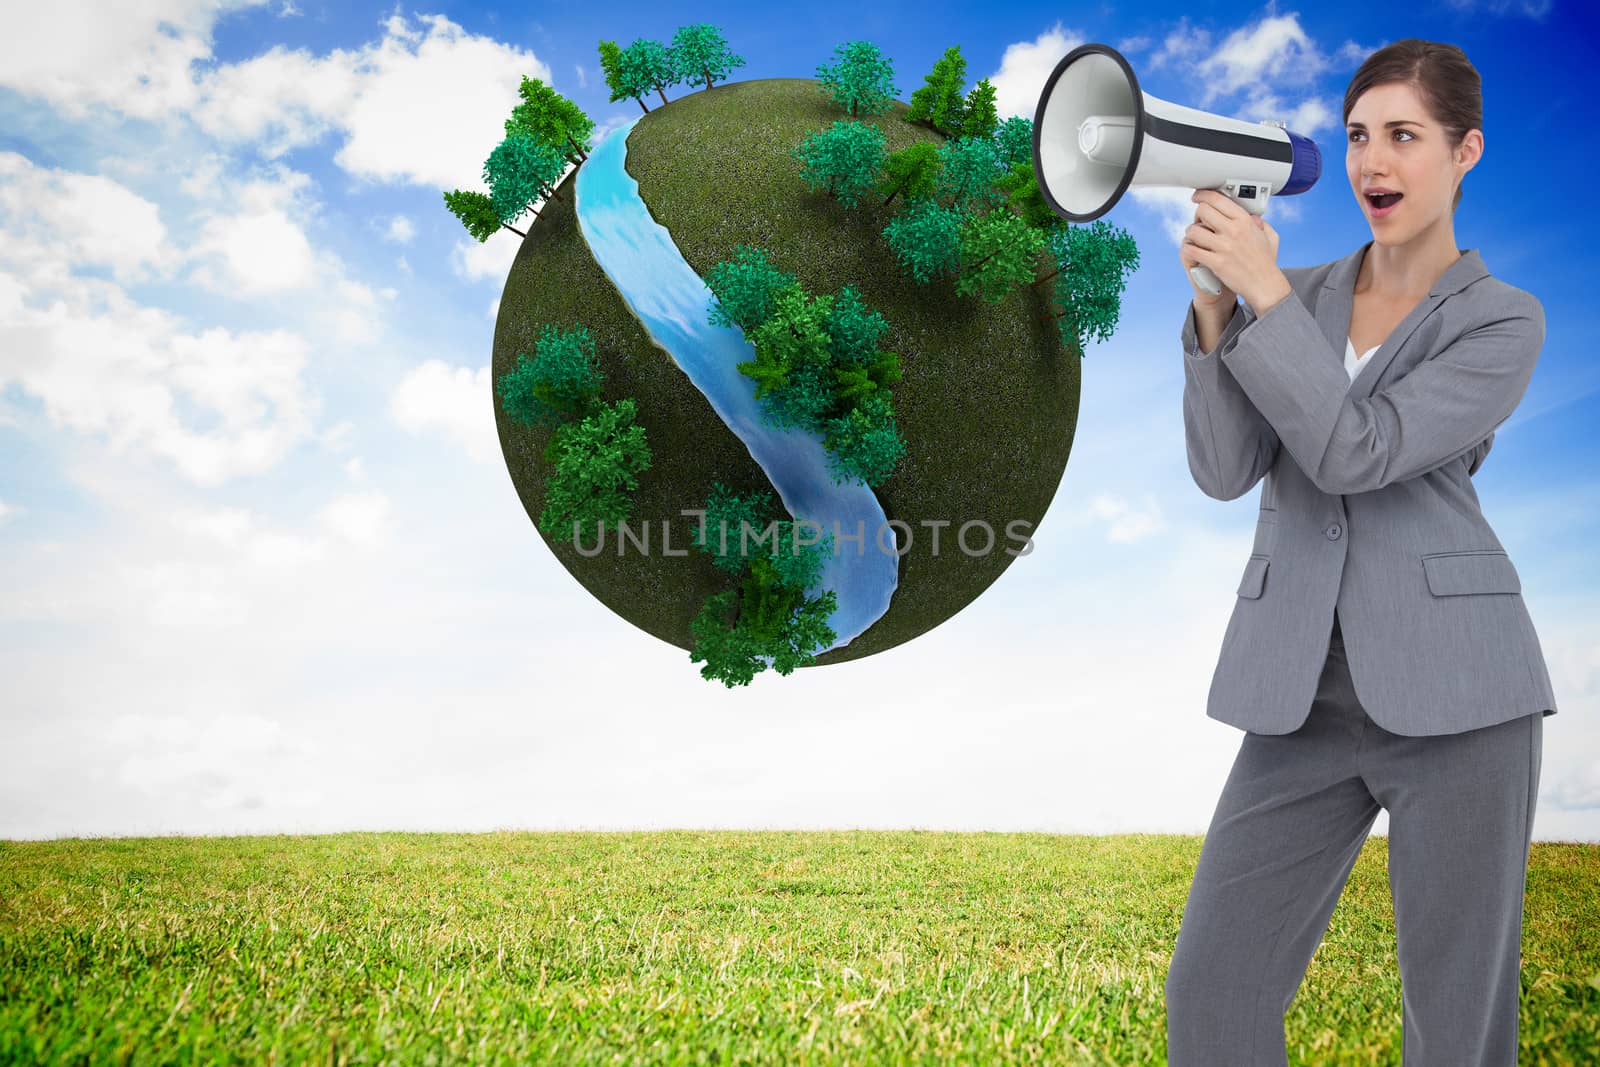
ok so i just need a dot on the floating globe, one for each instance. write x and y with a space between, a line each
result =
987 403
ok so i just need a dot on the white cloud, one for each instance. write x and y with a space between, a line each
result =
1258 59
8 512
102 363
204 177
253 236
261 251
401 127
254 243
401 230
1274 49
132 58
355 314
1580 788
84 218
361 519
491 259
144 60
453 400
167 751
603 129
384 98
1124 521
1533 9
281 98
1024 68
1183 47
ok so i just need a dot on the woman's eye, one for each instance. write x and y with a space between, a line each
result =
1357 133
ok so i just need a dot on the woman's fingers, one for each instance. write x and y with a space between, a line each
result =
1200 234
1222 205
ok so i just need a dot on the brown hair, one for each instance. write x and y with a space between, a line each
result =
1443 77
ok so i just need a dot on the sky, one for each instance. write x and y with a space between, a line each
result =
262 567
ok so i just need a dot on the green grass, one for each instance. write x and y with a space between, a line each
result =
988 403
686 948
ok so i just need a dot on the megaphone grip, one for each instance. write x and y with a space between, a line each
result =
1206 280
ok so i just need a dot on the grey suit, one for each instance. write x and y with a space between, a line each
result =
1379 657
1367 508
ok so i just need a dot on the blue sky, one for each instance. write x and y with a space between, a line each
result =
261 566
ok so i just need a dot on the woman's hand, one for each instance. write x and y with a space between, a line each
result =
1241 249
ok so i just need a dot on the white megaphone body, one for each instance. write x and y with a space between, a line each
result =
1095 133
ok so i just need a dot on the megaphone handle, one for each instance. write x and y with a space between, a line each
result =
1205 279
1256 205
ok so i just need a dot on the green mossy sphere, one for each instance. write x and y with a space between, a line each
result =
987 406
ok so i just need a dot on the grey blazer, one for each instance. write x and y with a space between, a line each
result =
1367 506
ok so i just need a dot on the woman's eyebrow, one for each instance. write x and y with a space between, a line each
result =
1386 125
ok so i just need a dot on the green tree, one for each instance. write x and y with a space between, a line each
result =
617 77
793 368
1021 189
1093 264
770 620
978 116
746 288
519 171
862 79
856 384
864 443
939 102
731 654
561 380
648 64
596 466
1013 141
701 50
799 565
547 116
845 160
967 172
911 172
736 529
926 238
476 212
805 632
998 252
853 329
733 526
854 333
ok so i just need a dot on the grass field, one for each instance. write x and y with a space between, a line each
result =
686 947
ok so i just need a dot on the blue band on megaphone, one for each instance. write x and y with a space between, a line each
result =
1307 166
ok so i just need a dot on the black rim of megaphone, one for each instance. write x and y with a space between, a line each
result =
1138 130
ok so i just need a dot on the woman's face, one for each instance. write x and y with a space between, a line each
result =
1412 157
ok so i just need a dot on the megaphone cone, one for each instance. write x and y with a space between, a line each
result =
1096 133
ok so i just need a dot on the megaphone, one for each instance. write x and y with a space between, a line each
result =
1095 133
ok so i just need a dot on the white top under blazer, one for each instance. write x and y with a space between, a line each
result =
1351 362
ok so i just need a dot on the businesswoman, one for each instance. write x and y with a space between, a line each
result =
1379 654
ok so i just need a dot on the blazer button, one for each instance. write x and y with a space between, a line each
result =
1333 532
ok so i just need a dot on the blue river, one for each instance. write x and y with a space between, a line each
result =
674 304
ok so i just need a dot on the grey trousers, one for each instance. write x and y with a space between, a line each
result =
1289 826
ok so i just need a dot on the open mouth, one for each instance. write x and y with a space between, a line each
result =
1383 201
